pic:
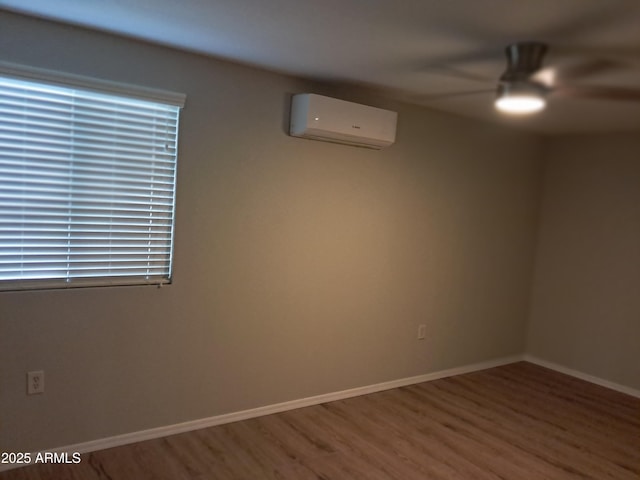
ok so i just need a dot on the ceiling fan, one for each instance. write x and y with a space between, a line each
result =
525 84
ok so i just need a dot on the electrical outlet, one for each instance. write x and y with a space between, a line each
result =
422 331
35 382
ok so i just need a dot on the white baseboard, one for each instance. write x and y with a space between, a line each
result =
582 376
127 438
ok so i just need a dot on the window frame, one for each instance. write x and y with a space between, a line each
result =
119 90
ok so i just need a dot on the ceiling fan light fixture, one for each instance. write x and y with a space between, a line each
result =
520 98
520 105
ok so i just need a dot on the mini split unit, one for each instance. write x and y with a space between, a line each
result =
331 120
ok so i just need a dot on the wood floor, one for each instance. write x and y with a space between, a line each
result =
516 422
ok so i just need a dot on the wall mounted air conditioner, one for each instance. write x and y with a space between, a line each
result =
331 120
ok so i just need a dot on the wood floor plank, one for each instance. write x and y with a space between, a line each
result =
519 421
502 438
444 435
349 440
407 446
551 423
573 417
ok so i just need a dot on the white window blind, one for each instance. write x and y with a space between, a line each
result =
87 187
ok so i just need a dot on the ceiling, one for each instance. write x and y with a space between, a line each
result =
418 51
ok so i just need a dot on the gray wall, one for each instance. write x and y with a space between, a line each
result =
301 267
585 311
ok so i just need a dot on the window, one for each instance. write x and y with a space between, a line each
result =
87 184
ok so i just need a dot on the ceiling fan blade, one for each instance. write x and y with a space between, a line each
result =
623 53
447 95
449 71
600 93
555 76
587 68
